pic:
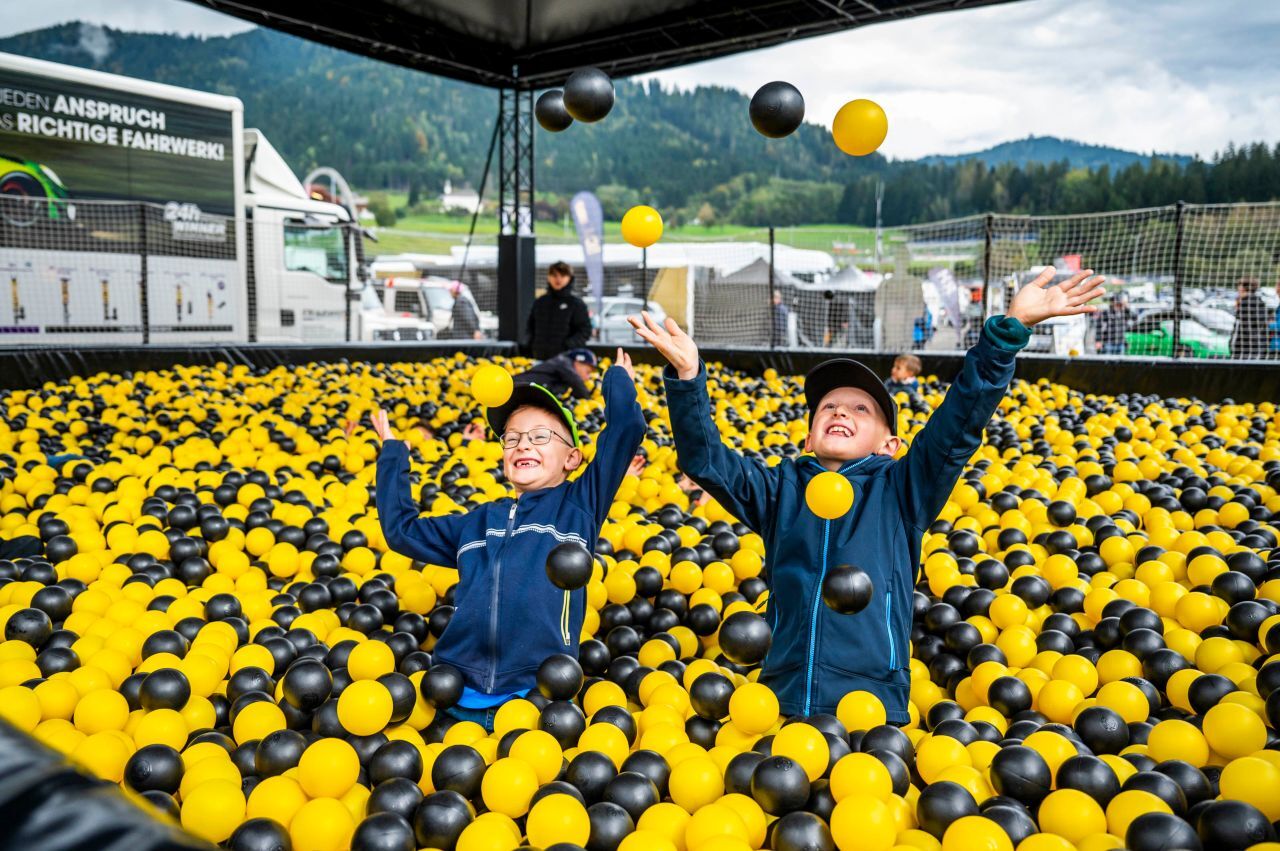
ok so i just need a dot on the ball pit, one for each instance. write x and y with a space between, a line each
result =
216 625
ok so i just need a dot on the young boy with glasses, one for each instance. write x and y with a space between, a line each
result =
508 617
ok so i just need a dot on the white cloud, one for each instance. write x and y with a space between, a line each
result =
1180 76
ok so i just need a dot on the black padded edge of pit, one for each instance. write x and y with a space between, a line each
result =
48 804
1209 381
24 368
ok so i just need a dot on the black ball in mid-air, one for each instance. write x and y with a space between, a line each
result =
588 95
569 566
550 112
847 589
777 109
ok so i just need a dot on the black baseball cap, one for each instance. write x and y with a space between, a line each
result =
846 372
582 356
533 396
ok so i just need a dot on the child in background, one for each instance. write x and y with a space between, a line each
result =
817 656
905 375
509 617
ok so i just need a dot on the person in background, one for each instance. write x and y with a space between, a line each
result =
464 321
559 320
1249 339
780 315
564 373
1111 324
905 375
1275 328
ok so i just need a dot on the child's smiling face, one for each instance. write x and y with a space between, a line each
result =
847 425
533 467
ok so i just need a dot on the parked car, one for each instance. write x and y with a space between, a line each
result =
430 298
611 327
379 322
1152 335
1060 335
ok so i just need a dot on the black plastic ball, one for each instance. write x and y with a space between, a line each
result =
777 109
779 785
588 95
569 566
260 834
154 767
383 832
550 112
847 589
745 638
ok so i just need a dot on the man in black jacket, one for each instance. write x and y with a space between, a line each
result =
1249 337
559 320
563 373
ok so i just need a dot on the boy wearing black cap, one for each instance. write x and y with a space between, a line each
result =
564 373
817 655
508 616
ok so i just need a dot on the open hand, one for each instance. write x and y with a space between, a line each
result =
624 360
382 425
474 430
671 342
1035 302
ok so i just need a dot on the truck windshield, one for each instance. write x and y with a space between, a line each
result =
317 249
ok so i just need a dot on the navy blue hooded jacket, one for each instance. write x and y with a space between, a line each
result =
508 616
817 655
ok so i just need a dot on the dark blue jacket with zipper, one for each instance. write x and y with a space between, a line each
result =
818 655
508 616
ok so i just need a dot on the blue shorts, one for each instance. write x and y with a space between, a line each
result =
483 717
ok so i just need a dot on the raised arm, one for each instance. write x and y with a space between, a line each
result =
429 539
939 452
618 441
747 488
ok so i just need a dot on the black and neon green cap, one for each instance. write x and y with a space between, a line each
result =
535 396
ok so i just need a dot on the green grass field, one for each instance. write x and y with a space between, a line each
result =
435 233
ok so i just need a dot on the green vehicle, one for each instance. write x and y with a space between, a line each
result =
24 181
1152 335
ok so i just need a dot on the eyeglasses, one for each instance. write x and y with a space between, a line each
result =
540 436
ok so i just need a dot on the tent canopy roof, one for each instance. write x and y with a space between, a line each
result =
531 44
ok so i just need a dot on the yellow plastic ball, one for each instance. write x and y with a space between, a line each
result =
507 787
860 127
1255 781
101 710
641 226
1128 805
1071 814
213 810
863 822
860 774
324 824
370 660
558 818
696 782
860 710
1234 731
328 768
365 707
491 386
975 833
753 708
829 495
541 751
806 745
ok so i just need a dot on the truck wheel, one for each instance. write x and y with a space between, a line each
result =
17 194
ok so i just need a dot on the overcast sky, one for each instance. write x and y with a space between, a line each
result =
1176 76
